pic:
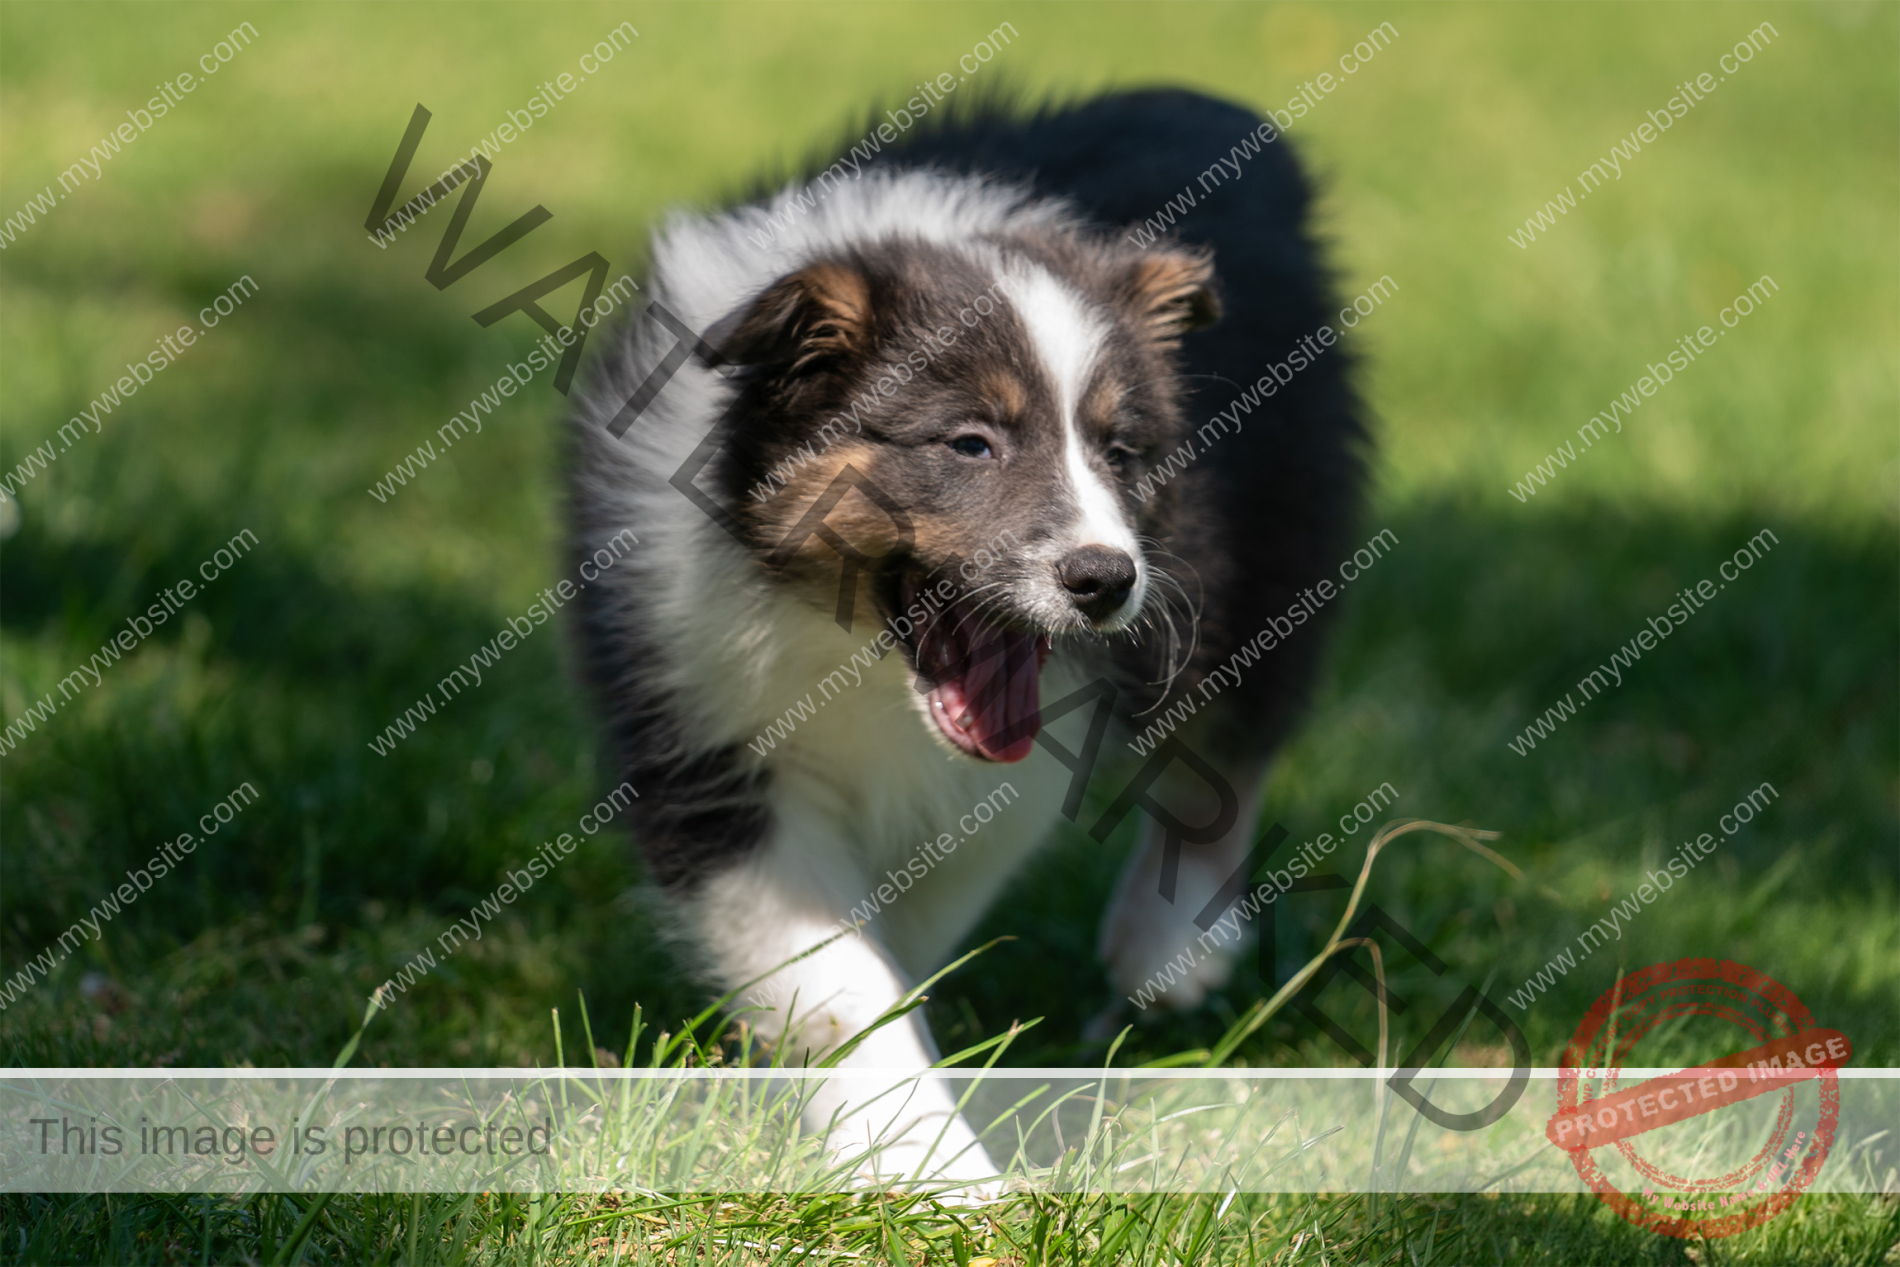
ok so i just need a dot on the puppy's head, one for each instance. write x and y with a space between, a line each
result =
966 428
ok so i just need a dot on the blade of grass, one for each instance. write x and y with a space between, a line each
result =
299 1233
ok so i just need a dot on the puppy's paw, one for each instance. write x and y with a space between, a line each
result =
1154 951
917 1160
1155 963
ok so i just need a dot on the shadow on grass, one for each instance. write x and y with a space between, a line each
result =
1472 626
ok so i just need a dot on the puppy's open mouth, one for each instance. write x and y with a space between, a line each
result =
987 696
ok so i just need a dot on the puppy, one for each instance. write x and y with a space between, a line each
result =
935 516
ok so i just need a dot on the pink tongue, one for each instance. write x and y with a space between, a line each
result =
992 708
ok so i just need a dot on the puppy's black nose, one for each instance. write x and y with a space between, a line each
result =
1098 578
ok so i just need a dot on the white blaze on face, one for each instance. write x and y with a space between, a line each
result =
1067 337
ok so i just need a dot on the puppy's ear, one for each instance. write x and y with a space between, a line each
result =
804 320
1172 291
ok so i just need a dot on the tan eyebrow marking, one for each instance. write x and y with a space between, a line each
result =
1007 392
1097 412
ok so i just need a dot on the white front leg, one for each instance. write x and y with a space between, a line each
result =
895 1120
1154 951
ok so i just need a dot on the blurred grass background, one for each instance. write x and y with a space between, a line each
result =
1489 356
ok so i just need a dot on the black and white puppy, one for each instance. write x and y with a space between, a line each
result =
910 483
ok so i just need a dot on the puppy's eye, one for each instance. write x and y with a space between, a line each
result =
971 446
1120 455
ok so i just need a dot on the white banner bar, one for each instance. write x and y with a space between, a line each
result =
739 1130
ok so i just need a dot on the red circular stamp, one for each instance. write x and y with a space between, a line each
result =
1764 1162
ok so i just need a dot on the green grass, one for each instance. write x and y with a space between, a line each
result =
263 947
